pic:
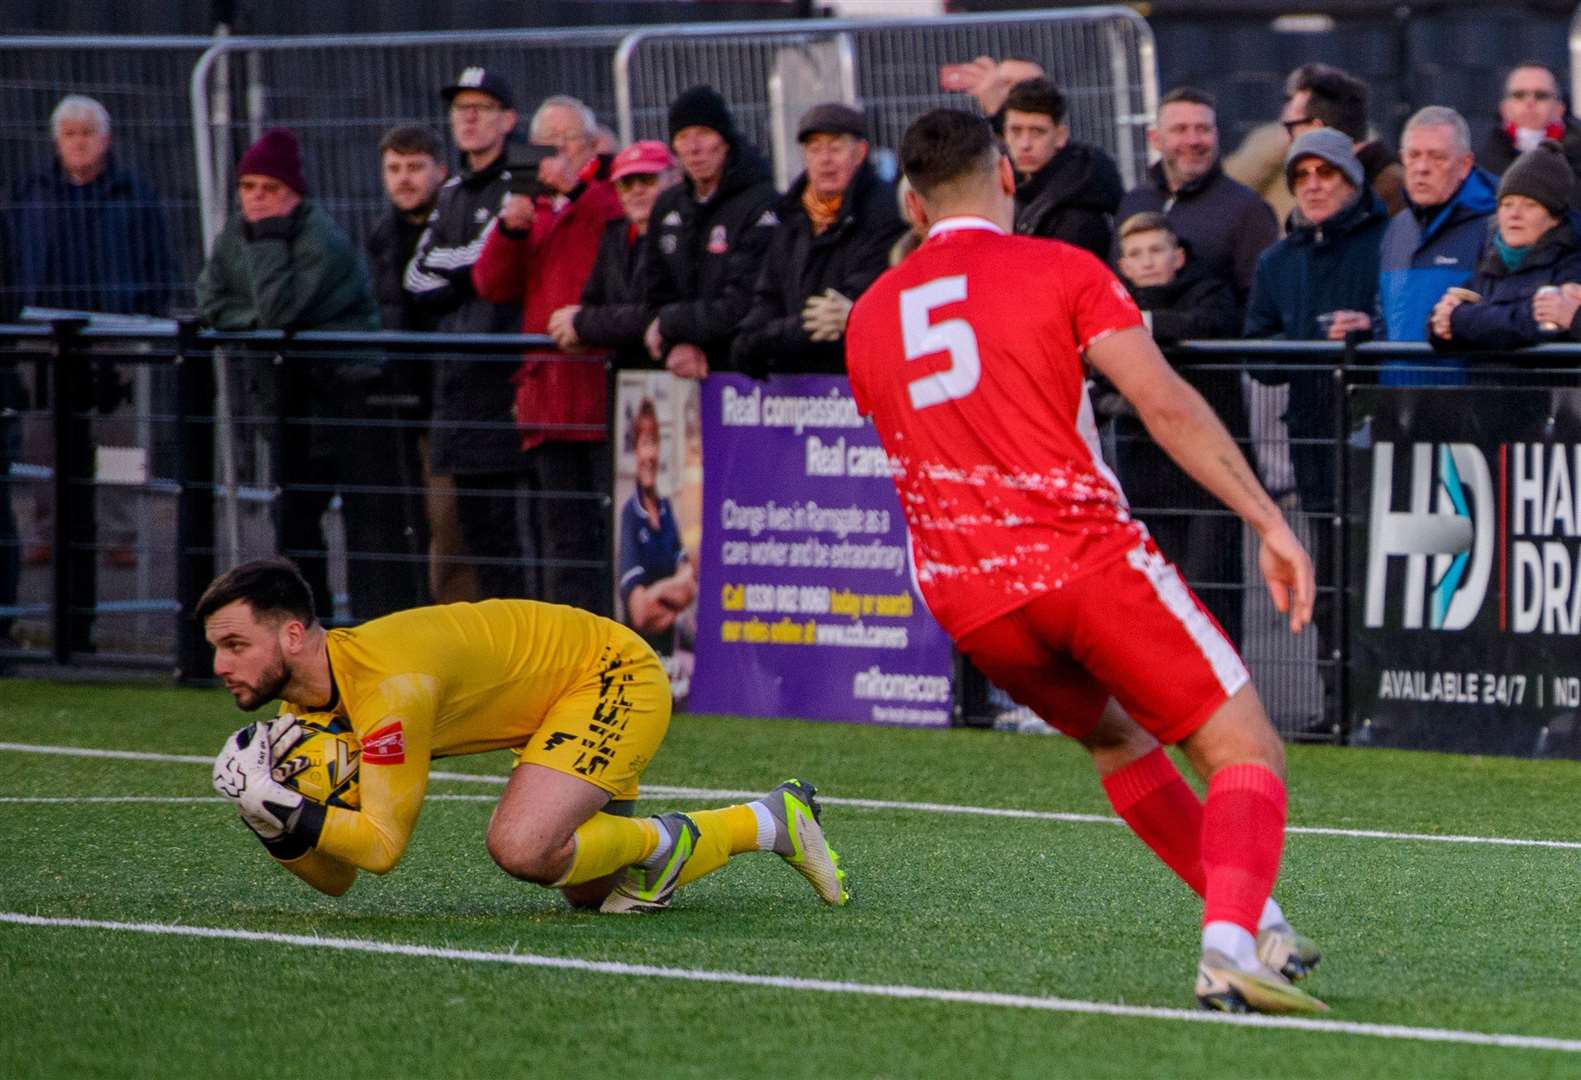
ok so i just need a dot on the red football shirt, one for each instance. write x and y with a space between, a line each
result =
968 358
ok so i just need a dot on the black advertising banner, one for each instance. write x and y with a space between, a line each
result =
1465 601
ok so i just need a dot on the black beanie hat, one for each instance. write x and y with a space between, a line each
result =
701 106
1543 175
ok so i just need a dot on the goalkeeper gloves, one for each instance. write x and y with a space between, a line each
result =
287 823
824 316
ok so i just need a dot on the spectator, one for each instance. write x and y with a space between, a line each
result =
1532 109
282 263
713 229
474 439
989 82
412 166
1065 190
1317 95
1223 221
657 580
836 226
538 253
1181 298
90 235
1436 241
611 314
1320 281
1536 244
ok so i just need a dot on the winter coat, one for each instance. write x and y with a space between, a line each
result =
297 272
613 315
1313 270
391 244
1073 198
99 246
1502 319
1498 153
847 257
704 257
1224 222
1259 163
1419 261
1196 304
558 398
474 398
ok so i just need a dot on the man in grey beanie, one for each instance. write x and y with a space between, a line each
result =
1320 281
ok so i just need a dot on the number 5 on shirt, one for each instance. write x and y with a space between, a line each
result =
924 338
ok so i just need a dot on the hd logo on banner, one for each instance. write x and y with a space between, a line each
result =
1466 515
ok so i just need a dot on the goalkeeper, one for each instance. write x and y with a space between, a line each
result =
581 702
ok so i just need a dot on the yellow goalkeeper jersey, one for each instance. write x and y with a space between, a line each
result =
466 678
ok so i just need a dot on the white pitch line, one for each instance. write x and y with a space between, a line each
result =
826 986
722 795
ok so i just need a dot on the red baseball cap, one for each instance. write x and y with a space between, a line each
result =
647 156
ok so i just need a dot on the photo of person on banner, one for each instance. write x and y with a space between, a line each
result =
655 557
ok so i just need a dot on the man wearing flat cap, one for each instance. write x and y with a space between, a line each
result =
836 226
708 238
1320 281
282 263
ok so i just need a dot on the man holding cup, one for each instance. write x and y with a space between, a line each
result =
1319 282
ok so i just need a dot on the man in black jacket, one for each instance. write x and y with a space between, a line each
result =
611 313
1065 190
474 438
1225 223
837 224
709 236
412 166
1532 109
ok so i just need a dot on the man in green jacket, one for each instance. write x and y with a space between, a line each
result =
283 263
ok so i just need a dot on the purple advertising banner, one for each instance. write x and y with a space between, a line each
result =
807 605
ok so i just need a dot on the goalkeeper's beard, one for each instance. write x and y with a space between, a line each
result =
271 684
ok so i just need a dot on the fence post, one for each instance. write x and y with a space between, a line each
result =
195 501
76 571
1341 549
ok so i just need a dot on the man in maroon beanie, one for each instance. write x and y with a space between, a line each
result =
282 263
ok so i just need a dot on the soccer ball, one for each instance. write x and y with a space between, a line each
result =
323 766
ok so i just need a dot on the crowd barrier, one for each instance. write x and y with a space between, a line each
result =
1394 607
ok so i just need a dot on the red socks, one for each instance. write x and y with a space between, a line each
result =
1243 834
1153 798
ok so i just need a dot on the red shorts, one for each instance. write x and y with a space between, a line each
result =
1131 630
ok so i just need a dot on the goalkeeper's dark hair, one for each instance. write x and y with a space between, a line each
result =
268 586
944 146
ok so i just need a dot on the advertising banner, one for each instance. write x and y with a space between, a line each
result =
806 602
1466 512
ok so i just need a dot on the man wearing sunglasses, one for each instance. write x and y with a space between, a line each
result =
1531 110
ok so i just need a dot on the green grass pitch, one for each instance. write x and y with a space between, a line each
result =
974 946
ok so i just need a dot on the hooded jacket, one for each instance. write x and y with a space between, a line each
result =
848 256
1224 221
1502 319
1072 198
1313 270
703 257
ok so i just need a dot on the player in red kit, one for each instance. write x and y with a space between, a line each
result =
969 358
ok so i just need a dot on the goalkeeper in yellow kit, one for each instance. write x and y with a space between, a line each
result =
581 702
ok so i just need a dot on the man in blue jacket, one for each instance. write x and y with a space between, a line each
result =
1320 281
1436 241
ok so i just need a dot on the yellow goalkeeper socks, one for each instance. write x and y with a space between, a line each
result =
721 834
606 843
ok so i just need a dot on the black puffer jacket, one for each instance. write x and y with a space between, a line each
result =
613 315
705 256
475 429
1073 198
847 257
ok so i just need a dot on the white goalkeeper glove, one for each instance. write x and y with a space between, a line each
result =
242 774
824 316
